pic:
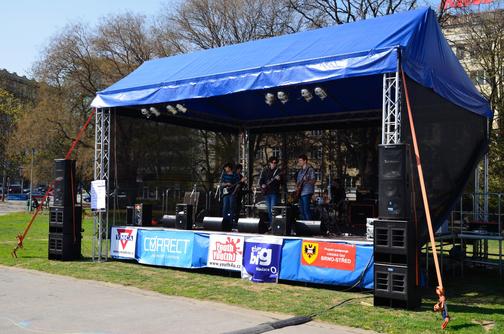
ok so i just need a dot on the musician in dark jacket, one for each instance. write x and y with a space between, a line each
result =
270 185
228 183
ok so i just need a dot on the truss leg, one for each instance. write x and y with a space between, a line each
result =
101 172
391 109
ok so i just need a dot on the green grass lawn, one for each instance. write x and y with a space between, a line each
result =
476 302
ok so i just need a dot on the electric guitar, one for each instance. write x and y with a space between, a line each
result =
233 188
267 184
300 185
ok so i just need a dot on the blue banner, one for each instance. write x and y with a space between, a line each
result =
293 268
261 259
172 248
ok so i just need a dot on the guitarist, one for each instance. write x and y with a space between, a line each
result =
305 186
228 182
270 185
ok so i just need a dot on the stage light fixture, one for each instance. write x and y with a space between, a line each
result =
282 97
269 98
171 109
154 111
320 92
306 94
181 108
145 112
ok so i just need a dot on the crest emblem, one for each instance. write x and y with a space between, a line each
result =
310 251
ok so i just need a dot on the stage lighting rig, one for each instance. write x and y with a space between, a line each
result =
181 108
154 111
145 112
171 109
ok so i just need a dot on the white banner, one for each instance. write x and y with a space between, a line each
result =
225 251
98 195
123 242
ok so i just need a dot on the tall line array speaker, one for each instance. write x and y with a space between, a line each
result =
65 217
394 189
395 241
184 216
65 185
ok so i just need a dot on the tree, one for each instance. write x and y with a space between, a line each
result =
321 13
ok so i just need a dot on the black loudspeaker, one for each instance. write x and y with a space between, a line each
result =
396 263
309 227
168 221
139 215
65 233
394 196
65 184
282 220
64 246
65 219
252 225
184 216
216 224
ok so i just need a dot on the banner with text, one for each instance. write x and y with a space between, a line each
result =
172 248
328 255
261 259
225 251
123 242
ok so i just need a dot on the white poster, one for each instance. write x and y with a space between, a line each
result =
225 252
123 242
98 195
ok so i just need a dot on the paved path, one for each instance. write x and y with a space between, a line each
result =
12 206
36 302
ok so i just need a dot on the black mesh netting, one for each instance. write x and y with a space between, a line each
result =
451 141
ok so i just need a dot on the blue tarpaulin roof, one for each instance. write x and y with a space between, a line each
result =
347 60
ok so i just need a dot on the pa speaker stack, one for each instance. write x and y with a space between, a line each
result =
395 247
65 217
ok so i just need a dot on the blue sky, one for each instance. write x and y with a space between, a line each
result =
26 26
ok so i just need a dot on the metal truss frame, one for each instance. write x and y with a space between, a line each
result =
391 110
101 172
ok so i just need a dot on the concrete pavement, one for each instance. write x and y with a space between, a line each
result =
36 302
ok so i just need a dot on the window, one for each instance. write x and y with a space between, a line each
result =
318 175
276 152
478 77
460 51
316 133
259 154
316 153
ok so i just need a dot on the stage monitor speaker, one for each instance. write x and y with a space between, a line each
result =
65 184
216 224
184 216
394 195
252 225
139 215
282 220
309 228
168 221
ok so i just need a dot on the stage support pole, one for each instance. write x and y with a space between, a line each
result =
101 172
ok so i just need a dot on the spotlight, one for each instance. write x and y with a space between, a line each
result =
306 94
171 109
269 98
144 111
320 93
282 97
154 111
181 108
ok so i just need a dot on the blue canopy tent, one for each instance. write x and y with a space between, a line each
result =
225 89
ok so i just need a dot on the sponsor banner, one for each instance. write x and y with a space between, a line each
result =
171 248
328 255
261 259
225 251
293 268
123 242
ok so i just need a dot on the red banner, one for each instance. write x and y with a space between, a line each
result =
464 3
328 255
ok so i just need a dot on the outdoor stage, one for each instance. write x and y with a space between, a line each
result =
261 258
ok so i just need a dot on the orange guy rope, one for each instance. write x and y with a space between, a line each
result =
21 237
